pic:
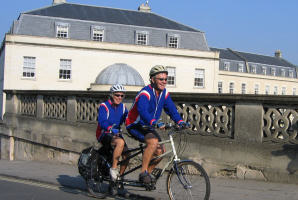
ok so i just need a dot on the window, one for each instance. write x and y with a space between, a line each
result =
264 70
240 67
257 88
283 90
173 41
232 85
226 66
273 71
254 69
243 88
283 72
267 89
171 75
291 74
199 78
65 69
62 30
275 92
141 38
97 33
219 86
29 67
294 91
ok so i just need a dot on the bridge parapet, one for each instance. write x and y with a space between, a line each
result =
227 131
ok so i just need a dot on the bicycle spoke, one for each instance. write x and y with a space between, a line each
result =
190 182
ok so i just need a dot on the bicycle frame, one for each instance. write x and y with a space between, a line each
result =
172 161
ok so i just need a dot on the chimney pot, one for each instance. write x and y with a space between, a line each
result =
277 53
144 8
55 2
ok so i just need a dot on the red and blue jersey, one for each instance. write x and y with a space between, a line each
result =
147 107
109 115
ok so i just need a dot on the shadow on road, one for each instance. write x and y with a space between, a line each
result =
77 184
292 152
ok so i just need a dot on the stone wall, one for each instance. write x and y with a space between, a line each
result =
241 136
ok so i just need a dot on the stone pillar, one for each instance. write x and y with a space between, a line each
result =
39 107
11 148
12 103
71 109
249 122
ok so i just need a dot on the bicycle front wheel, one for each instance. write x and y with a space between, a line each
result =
188 181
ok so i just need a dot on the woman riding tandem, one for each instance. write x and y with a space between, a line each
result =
111 114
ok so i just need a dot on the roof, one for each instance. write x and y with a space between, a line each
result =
250 57
109 15
119 73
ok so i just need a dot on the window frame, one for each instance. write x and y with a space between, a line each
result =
275 90
253 69
231 87
197 78
257 88
171 77
59 28
267 89
264 70
176 37
93 32
240 67
63 70
220 87
29 67
142 42
273 71
283 90
226 66
243 90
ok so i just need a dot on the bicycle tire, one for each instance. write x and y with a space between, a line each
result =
95 185
194 182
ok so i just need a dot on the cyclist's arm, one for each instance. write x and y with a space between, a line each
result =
123 117
103 118
143 105
171 109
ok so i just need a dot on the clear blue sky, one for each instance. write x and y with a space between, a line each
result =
256 26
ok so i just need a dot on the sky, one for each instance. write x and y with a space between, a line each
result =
253 26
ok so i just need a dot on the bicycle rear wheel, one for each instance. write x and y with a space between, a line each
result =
95 184
190 181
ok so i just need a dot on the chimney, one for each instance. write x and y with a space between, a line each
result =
144 8
277 54
55 2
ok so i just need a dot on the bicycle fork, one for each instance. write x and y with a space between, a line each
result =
186 184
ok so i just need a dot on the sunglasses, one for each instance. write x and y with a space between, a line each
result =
119 95
162 79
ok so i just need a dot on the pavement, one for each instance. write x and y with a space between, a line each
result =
67 176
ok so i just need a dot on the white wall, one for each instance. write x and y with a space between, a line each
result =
2 56
90 58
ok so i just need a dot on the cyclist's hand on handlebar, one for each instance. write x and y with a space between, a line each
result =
183 125
114 131
161 125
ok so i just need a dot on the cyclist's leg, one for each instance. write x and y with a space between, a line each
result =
118 144
160 150
124 165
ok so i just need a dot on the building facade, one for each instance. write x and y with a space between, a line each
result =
68 46
247 73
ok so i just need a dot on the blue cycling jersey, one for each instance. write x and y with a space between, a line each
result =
110 116
147 107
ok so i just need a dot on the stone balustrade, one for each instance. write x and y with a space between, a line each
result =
227 131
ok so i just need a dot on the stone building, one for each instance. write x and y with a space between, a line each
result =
248 73
76 47
67 46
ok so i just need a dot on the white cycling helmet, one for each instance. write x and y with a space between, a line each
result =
157 69
117 88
